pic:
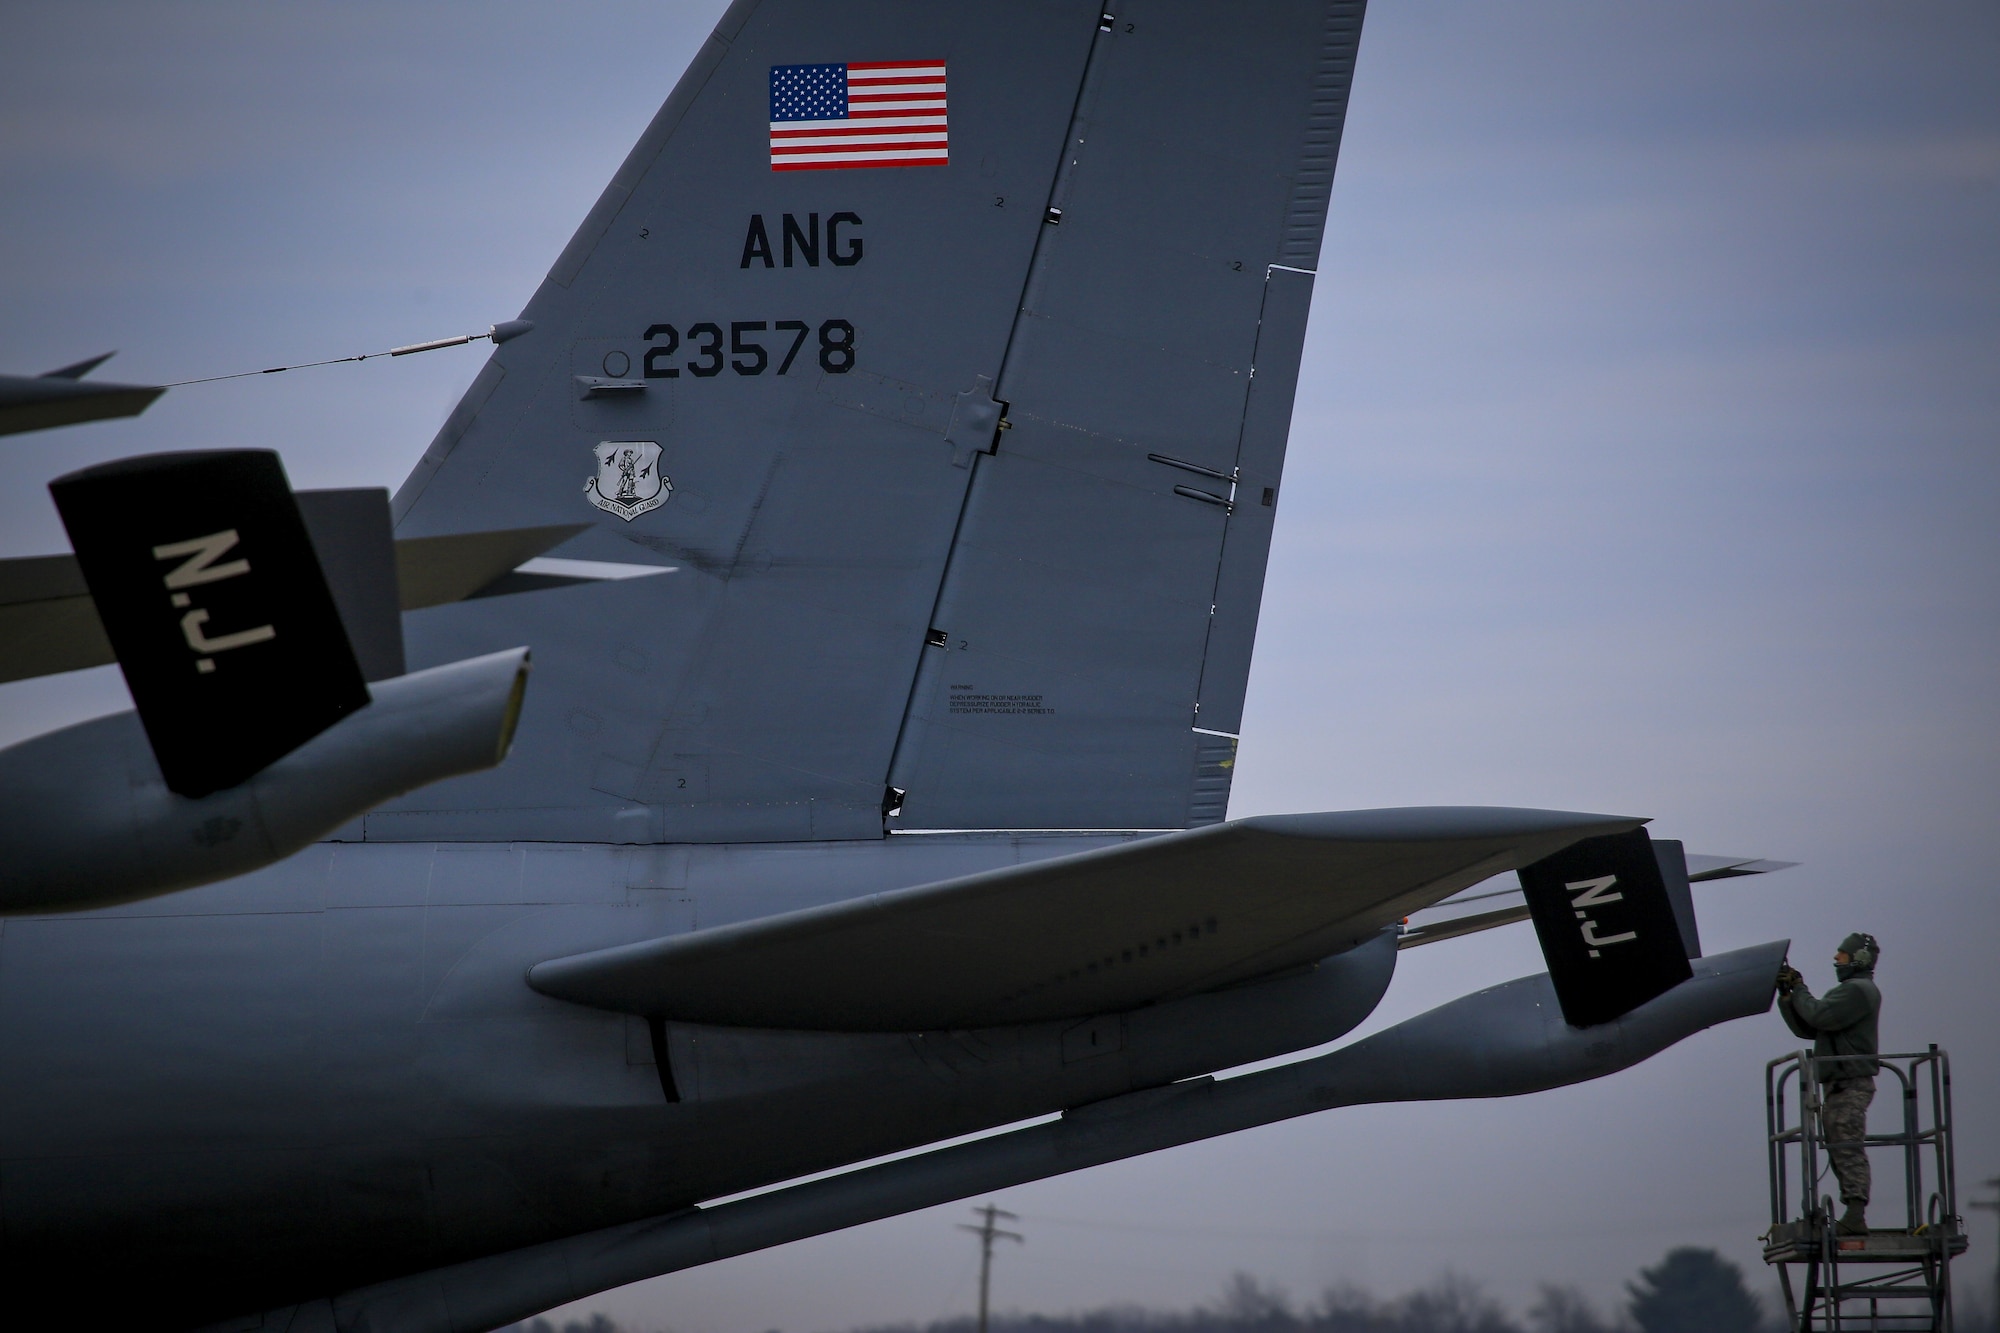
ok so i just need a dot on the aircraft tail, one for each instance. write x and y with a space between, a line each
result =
940 360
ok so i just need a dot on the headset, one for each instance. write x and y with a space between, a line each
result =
1864 957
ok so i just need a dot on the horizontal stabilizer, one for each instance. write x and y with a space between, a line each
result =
1486 907
212 596
1097 932
64 398
1701 869
453 567
48 622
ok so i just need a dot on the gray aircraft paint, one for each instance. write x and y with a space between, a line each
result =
1507 1039
760 692
1102 931
331 1073
91 822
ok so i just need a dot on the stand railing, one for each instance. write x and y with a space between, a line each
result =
1897 1277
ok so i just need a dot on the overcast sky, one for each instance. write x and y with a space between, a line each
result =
1647 459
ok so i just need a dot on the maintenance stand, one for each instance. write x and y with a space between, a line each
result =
1894 1279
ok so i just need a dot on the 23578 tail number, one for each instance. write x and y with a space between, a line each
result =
703 354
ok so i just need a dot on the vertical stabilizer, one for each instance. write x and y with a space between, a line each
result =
944 354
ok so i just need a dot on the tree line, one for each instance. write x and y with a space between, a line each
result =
1690 1290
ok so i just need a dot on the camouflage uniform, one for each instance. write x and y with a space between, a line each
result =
1842 1027
1843 1120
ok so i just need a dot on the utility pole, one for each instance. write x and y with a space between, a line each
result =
1993 1204
986 1232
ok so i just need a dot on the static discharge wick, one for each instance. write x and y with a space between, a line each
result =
499 333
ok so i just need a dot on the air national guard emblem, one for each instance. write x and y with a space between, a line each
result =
628 481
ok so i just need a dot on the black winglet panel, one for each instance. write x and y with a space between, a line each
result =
354 539
1607 926
213 599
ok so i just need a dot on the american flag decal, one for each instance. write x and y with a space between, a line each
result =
881 114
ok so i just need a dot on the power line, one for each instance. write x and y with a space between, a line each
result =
987 1232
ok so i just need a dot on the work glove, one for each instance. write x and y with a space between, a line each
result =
1789 977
